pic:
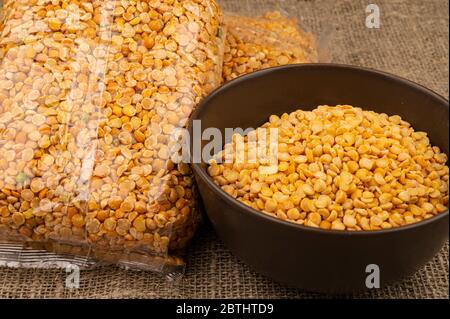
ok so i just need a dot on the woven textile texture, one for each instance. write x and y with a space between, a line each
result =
412 42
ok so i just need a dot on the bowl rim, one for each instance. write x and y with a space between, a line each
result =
204 176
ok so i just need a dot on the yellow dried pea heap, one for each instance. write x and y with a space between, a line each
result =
341 168
254 44
90 94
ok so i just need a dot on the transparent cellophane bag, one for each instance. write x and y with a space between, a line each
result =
91 93
272 39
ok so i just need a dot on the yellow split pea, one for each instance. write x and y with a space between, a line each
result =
91 93
341 168
254 44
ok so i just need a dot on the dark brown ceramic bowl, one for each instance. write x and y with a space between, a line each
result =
314 259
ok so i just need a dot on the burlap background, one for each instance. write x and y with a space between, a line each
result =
412 42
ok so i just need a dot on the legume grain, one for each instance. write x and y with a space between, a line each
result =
254 44
340 168
90 94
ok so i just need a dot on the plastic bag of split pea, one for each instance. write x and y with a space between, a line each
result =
269 40
91 92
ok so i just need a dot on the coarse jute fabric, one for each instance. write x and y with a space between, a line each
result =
412 42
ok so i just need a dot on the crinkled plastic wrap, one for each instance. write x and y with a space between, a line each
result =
270 40
91 93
